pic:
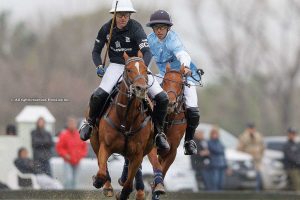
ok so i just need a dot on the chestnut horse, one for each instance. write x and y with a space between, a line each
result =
173 83
126 127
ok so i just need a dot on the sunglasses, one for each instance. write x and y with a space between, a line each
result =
122 14
159 26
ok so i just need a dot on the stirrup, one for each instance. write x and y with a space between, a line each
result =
163 147
85 135
160 134
86 123
190 147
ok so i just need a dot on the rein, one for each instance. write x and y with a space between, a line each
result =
184 83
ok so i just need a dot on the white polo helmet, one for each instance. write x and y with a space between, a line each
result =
123 6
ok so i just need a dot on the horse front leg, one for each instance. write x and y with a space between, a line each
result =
167 161
134 164
108 190
158 183
101 177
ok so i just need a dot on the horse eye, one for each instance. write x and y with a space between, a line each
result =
128 70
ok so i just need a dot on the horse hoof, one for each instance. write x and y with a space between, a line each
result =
140 195
118 196
155 196
97 182
108 192
159 189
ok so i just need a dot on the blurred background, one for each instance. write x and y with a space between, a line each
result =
249 50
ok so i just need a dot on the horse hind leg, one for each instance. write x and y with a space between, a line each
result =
132 170
139 183
124 174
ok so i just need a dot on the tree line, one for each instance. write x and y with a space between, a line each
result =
255 57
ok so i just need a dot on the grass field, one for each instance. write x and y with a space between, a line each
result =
77 194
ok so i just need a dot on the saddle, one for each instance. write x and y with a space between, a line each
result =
171 118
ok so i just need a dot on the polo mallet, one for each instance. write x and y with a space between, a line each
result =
110 33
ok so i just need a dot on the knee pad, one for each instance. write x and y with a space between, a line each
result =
193 116
98 94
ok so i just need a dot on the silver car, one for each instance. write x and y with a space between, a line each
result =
273 172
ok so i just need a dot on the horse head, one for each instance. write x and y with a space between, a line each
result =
135 75
173 84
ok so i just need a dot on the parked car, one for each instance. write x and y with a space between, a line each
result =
273 172
241 164
276 143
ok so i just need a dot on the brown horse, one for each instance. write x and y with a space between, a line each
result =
126 126
173 84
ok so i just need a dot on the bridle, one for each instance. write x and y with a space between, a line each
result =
127 81
179 95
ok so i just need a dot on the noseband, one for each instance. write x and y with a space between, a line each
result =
179 96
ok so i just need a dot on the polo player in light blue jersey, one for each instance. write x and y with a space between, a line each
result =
166 47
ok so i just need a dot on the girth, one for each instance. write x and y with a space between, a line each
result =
121 128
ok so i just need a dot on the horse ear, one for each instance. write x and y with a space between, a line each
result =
140 54
168 67
125 56
182 69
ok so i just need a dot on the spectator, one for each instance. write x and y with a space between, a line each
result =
25 165
72 149
292 159
251 142
201 161
218 163
41 145
11 130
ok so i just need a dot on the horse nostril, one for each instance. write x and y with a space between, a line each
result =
172 103
138 88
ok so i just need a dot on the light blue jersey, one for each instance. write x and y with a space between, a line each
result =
164 51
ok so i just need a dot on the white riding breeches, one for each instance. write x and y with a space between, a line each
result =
114 72
190 93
